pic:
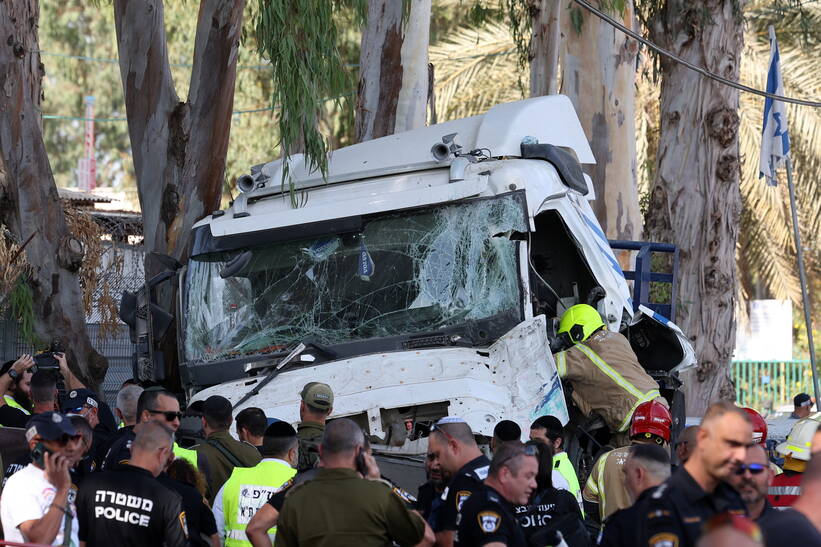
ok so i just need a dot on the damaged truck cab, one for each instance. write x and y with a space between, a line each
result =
423 277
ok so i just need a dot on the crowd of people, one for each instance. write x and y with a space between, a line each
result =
94 477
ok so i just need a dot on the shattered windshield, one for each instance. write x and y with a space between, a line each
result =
404 273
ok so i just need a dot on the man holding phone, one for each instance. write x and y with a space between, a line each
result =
36 505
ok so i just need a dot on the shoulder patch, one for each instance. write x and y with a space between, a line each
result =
461 497
183 523
489 521
403 495
664 540
287 484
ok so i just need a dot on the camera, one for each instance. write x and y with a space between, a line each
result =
45 361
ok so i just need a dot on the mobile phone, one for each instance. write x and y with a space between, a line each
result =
361 467
38 453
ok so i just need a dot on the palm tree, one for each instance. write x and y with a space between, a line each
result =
476 67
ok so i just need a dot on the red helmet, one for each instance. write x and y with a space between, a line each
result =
651 417
759 426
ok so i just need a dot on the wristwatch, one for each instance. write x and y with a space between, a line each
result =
14 374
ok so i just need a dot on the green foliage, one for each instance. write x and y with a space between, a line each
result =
300 39
21 309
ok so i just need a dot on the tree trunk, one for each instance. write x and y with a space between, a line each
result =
393 69
598 74
544 46
695 200
179 148
29 203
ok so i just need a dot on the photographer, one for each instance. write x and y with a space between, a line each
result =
15 386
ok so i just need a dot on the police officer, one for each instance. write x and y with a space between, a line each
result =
488 515
647 466
249 488
603 369
154 404
316 405
453 444
127 506
678 509
339 502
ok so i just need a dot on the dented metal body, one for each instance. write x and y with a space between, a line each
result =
417 276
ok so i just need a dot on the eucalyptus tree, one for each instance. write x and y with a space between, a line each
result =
694 198
393 68
29 204
598 73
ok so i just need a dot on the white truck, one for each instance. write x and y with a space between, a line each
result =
422 277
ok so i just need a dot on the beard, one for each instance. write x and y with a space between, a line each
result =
749 492
23 399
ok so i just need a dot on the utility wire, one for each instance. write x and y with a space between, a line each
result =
704 72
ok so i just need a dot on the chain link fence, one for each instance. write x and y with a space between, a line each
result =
121 270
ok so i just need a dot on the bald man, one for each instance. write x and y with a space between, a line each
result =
128 506
680 507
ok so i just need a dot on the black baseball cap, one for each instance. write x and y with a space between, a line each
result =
77 398
50 426
802 399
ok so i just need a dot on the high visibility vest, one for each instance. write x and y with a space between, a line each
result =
561 463
245 492
189 455
12 403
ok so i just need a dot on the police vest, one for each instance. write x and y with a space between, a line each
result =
14 404
188 455
561 463
245 492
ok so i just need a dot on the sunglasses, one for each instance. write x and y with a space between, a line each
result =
169 415
753 468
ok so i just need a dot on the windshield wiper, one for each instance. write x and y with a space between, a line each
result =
271 375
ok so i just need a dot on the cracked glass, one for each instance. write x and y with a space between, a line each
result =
403 274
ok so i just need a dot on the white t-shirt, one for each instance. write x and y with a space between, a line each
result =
27 496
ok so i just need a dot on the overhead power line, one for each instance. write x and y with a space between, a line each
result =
703 71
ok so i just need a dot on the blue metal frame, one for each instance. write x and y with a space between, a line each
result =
642 275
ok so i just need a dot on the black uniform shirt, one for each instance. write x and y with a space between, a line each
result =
198 514
620 528
787 526
676 511
546 510
129 507
486 517
465 482
119 451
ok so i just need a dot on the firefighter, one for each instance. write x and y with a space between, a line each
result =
605 491
603 369
760 434
786 487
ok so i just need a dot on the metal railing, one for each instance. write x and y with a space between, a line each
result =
767 385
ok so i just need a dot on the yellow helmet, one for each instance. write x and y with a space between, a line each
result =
580 321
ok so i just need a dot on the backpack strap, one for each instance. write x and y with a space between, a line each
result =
225 452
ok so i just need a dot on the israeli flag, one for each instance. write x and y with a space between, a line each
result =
775 140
